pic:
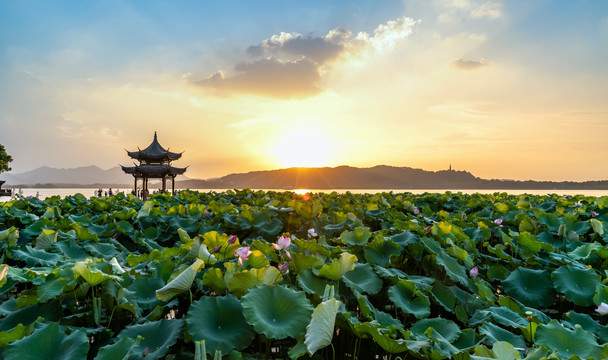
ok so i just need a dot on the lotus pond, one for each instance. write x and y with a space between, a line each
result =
277 275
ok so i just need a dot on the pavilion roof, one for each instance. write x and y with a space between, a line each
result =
153 170
154 152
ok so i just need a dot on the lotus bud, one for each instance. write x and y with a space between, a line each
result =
474 271
232 239
312 233
288 254
498 221
217 248
283 268
594 214
416 211
427 229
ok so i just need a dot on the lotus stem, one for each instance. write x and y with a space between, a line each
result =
333 351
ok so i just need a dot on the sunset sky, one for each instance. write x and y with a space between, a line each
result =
512 89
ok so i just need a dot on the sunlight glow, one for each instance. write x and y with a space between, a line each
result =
303 148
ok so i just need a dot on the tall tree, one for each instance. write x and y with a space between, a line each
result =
4 159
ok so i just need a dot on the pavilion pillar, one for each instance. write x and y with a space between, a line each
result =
135 185
164 183
173 185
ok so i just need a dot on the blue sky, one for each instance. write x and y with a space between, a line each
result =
504 89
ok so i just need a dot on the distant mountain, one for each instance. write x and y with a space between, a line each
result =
342 177
86 175
377 177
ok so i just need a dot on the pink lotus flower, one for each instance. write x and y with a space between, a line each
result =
416 211
594 214
602 309
232 239
283 268
243 254
474 271
283 243
288 254
498 221
427 229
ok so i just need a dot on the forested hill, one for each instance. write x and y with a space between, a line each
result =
377 177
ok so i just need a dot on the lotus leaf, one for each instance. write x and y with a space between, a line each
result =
410 300
276 311
363 279
380 251
311 283
220 322
214 279
339 267
530 287
119 350
181 283
577 284
359 236
453 269
319 332
446 328
495 333
158 336
568 342
49 342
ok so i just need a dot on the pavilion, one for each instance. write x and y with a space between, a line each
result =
154 163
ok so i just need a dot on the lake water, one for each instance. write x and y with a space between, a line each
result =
90 192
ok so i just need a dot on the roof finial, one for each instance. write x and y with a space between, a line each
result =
155 136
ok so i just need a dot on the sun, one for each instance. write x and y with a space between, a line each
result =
303 148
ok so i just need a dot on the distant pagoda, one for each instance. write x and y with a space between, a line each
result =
154 163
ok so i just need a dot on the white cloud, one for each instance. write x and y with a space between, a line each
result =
490 10
470 64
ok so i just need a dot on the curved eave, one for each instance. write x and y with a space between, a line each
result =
153 170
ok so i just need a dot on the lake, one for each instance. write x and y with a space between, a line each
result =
89 192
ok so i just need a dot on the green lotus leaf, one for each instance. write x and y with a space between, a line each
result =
584 251
88 271
453 269
573 318
597 226
145 291
505 351
302 262
380 251
319 332
46 239
214 279
339 267
443 296
53 286
220 322
158 336
50 343
34 257
446 328
70 249
389 344
311 283
495 333
144 211
258 260
363 279
214 239
18 332
181 283
359 236
242 281
10 236
119 350
276 311
577 284
530 287
507 317
411 301
568 342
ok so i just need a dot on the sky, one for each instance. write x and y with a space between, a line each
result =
513 89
